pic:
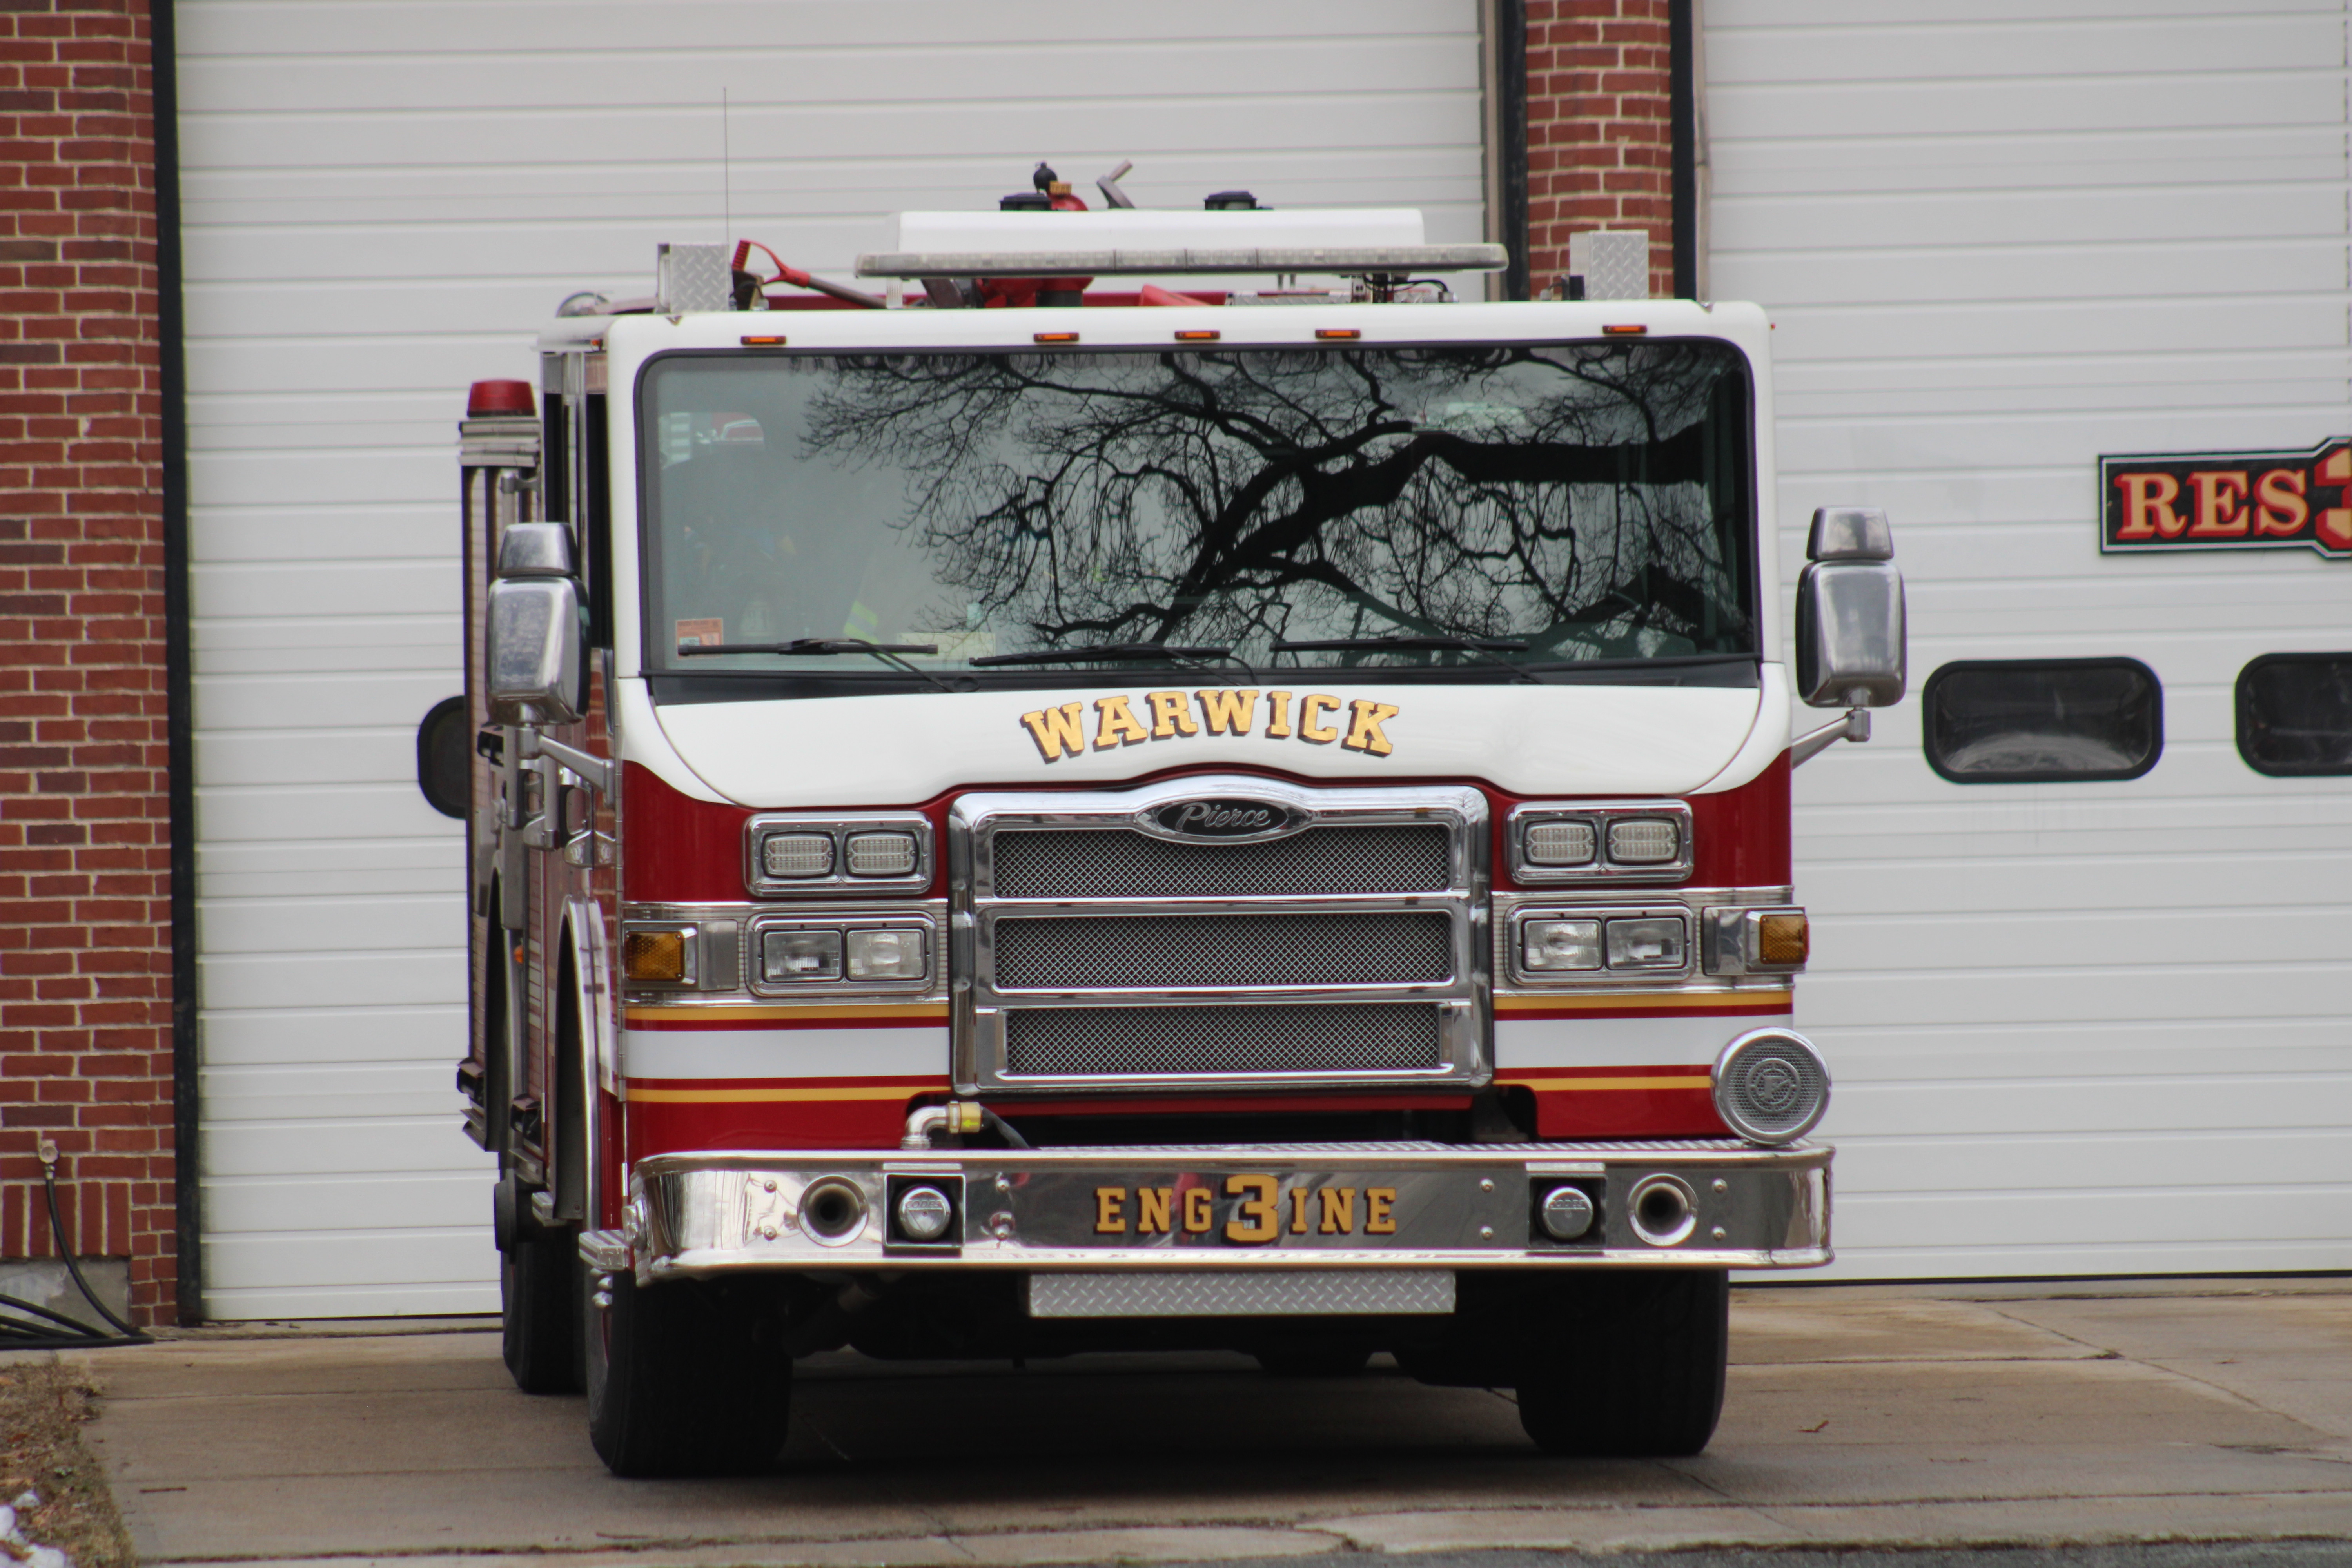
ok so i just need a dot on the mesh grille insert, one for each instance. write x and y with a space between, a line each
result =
1066 863
1157 953
1075 1041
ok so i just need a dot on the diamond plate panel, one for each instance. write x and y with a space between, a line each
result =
1252 1294
696 278
1613 263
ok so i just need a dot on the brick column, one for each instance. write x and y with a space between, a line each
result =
1599 130
85 920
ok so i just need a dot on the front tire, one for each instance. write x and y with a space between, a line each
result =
688 1378
1626 1365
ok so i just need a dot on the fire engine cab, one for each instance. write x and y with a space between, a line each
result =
1160 783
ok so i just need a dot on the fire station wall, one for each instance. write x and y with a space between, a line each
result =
383 203
2078 1028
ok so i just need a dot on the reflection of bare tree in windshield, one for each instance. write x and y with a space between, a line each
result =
1587 500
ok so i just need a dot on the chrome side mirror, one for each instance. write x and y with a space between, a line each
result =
536 672
1850 631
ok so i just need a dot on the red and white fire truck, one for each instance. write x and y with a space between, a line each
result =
1110 798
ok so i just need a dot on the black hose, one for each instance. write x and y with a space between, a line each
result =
28 1335
1003 1129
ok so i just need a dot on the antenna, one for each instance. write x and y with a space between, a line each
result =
726 173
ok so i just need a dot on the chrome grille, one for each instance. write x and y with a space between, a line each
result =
1061 863
1178 952
1348 945
1095 1042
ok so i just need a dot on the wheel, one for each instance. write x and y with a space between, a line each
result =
688 1378
1625 1366
539 1294
1316 1360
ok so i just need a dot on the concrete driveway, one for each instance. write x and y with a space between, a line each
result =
1856 1416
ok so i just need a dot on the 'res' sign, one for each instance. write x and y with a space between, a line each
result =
2229 500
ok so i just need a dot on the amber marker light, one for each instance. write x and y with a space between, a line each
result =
1055 338
1628 331
653 955
762 341
1783 939
1198 335
1338 334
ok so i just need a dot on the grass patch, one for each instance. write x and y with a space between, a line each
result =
43 1406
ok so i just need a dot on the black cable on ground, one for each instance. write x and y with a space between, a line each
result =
29 1336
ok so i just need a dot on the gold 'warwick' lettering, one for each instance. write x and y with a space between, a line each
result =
1117 725
1057 730
1171 714
1364 727
1311 709
1227 710
1318 718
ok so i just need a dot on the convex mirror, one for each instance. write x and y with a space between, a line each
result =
1850 633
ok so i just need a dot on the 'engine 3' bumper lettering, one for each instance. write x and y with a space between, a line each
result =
1697 1203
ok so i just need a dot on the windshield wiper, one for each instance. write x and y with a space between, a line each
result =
1491 648
1407 640
1122 651
887 652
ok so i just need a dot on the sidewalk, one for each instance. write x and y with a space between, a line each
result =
1857 1415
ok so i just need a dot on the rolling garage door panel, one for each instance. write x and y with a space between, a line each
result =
383 202
2084 1028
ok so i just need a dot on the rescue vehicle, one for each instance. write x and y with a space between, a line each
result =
1161 782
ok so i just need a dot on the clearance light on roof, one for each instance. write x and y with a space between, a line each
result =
1055 338
762 341
1342 334
1198 335
1625 330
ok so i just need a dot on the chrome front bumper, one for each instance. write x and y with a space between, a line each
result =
1299 1206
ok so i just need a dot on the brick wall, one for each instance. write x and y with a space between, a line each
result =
85 962
1599 134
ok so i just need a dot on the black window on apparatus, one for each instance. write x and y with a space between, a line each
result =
2294 714
2046 721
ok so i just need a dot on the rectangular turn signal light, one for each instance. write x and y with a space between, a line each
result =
1783 939
654 956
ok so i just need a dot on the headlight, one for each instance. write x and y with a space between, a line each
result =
1600 841
1551 947
886 955
1653 943
1771 1085
800 956
857 952
804 854
1551 944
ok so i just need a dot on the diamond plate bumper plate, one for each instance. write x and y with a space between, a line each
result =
1258 1293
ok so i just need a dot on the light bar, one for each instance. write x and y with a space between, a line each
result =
1346 259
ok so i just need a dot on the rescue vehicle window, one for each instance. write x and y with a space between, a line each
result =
2294 714
1565 505
2043 720
444 755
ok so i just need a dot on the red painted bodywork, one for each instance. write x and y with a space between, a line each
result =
682 850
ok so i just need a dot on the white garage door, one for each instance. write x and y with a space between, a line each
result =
383 200
2079 1028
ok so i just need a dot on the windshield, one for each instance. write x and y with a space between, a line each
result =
1470 513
